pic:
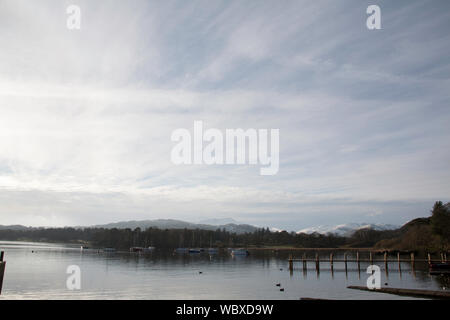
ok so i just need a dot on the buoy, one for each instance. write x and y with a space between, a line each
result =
278 284
282 289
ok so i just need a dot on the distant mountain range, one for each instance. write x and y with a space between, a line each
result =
13 227
228 224
178 224
219 221
348 229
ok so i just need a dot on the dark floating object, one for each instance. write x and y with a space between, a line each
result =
200 272
281 289
240 252
385 283
408 292
281 269
278 284
439 268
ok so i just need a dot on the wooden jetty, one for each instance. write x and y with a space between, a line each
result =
2 270
369 257
430 294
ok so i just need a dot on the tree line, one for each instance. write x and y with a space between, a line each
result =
431 234
172 238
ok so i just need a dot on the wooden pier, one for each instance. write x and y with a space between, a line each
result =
369 258
2 270
430 294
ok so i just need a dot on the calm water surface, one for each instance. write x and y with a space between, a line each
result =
38 271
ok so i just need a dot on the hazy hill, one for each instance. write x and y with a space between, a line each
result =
422 233
176 224
13 227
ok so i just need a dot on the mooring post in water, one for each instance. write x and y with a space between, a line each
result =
291 263
386 266
331 261
304 261
357 260
399 264
371 257
442 257
2 270
412 260
345 261
317 262
429 258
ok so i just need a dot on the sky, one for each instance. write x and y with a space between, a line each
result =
87 115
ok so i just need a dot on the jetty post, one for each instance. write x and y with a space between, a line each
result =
442 257
357 261
412 260
429 258
317 262
371 257
345 261
386 264
304 262
2 269
291 264
399 264
331 261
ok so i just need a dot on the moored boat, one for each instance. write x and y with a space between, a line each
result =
142 249
240 252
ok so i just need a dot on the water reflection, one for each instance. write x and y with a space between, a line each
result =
38 271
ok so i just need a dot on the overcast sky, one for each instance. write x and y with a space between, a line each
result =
86 115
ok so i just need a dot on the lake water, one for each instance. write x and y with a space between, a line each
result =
38 271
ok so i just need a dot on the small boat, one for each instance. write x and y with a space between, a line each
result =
439 268
240 252
195 250
148 250
142 249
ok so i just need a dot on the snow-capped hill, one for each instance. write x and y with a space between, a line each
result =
347 229
273 229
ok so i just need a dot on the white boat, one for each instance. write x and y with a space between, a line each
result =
240 252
